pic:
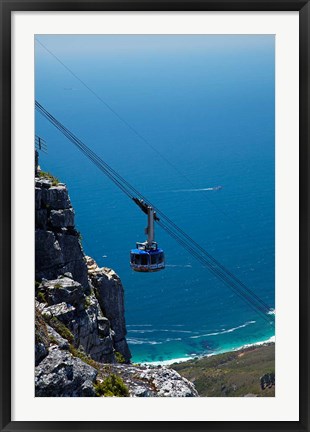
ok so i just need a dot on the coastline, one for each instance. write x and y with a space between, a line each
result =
181 360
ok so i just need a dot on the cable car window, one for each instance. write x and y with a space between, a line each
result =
144 260
160 257
153 259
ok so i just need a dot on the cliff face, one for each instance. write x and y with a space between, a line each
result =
80 330
110 294
57 245
92 308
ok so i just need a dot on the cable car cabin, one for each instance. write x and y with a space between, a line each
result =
147 258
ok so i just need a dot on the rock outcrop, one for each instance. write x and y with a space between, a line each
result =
57 246
110 294
61 370
154 381
267 381
65 289
67 303
61 374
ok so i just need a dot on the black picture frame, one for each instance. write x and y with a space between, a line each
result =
7 7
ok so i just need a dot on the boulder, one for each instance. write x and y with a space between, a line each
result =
168 383
153 381
104 328
63 312
63 290
140 391
62 343
62 375
267 380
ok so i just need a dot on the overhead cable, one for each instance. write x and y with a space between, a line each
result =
194 248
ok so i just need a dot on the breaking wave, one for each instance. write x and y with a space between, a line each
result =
272 339
224 331
138 341
157 330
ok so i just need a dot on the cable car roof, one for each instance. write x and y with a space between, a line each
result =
146 252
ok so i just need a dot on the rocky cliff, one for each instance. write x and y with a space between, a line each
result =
80 343
58 248
63 287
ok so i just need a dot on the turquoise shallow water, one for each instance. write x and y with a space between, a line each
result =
207 104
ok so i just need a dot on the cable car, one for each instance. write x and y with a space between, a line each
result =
147 256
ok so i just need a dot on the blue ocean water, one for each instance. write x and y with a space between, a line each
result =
207 104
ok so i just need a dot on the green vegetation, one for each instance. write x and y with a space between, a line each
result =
49 176
113 385
41 297
61 329
82 356
87 302
41 334
53 340
235 373
57 285
119 357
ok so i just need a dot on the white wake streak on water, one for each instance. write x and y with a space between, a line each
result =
151 325
142 342
139 325
137 341
194 190
224 331
156 330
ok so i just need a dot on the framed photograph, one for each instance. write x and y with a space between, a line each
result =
154 215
